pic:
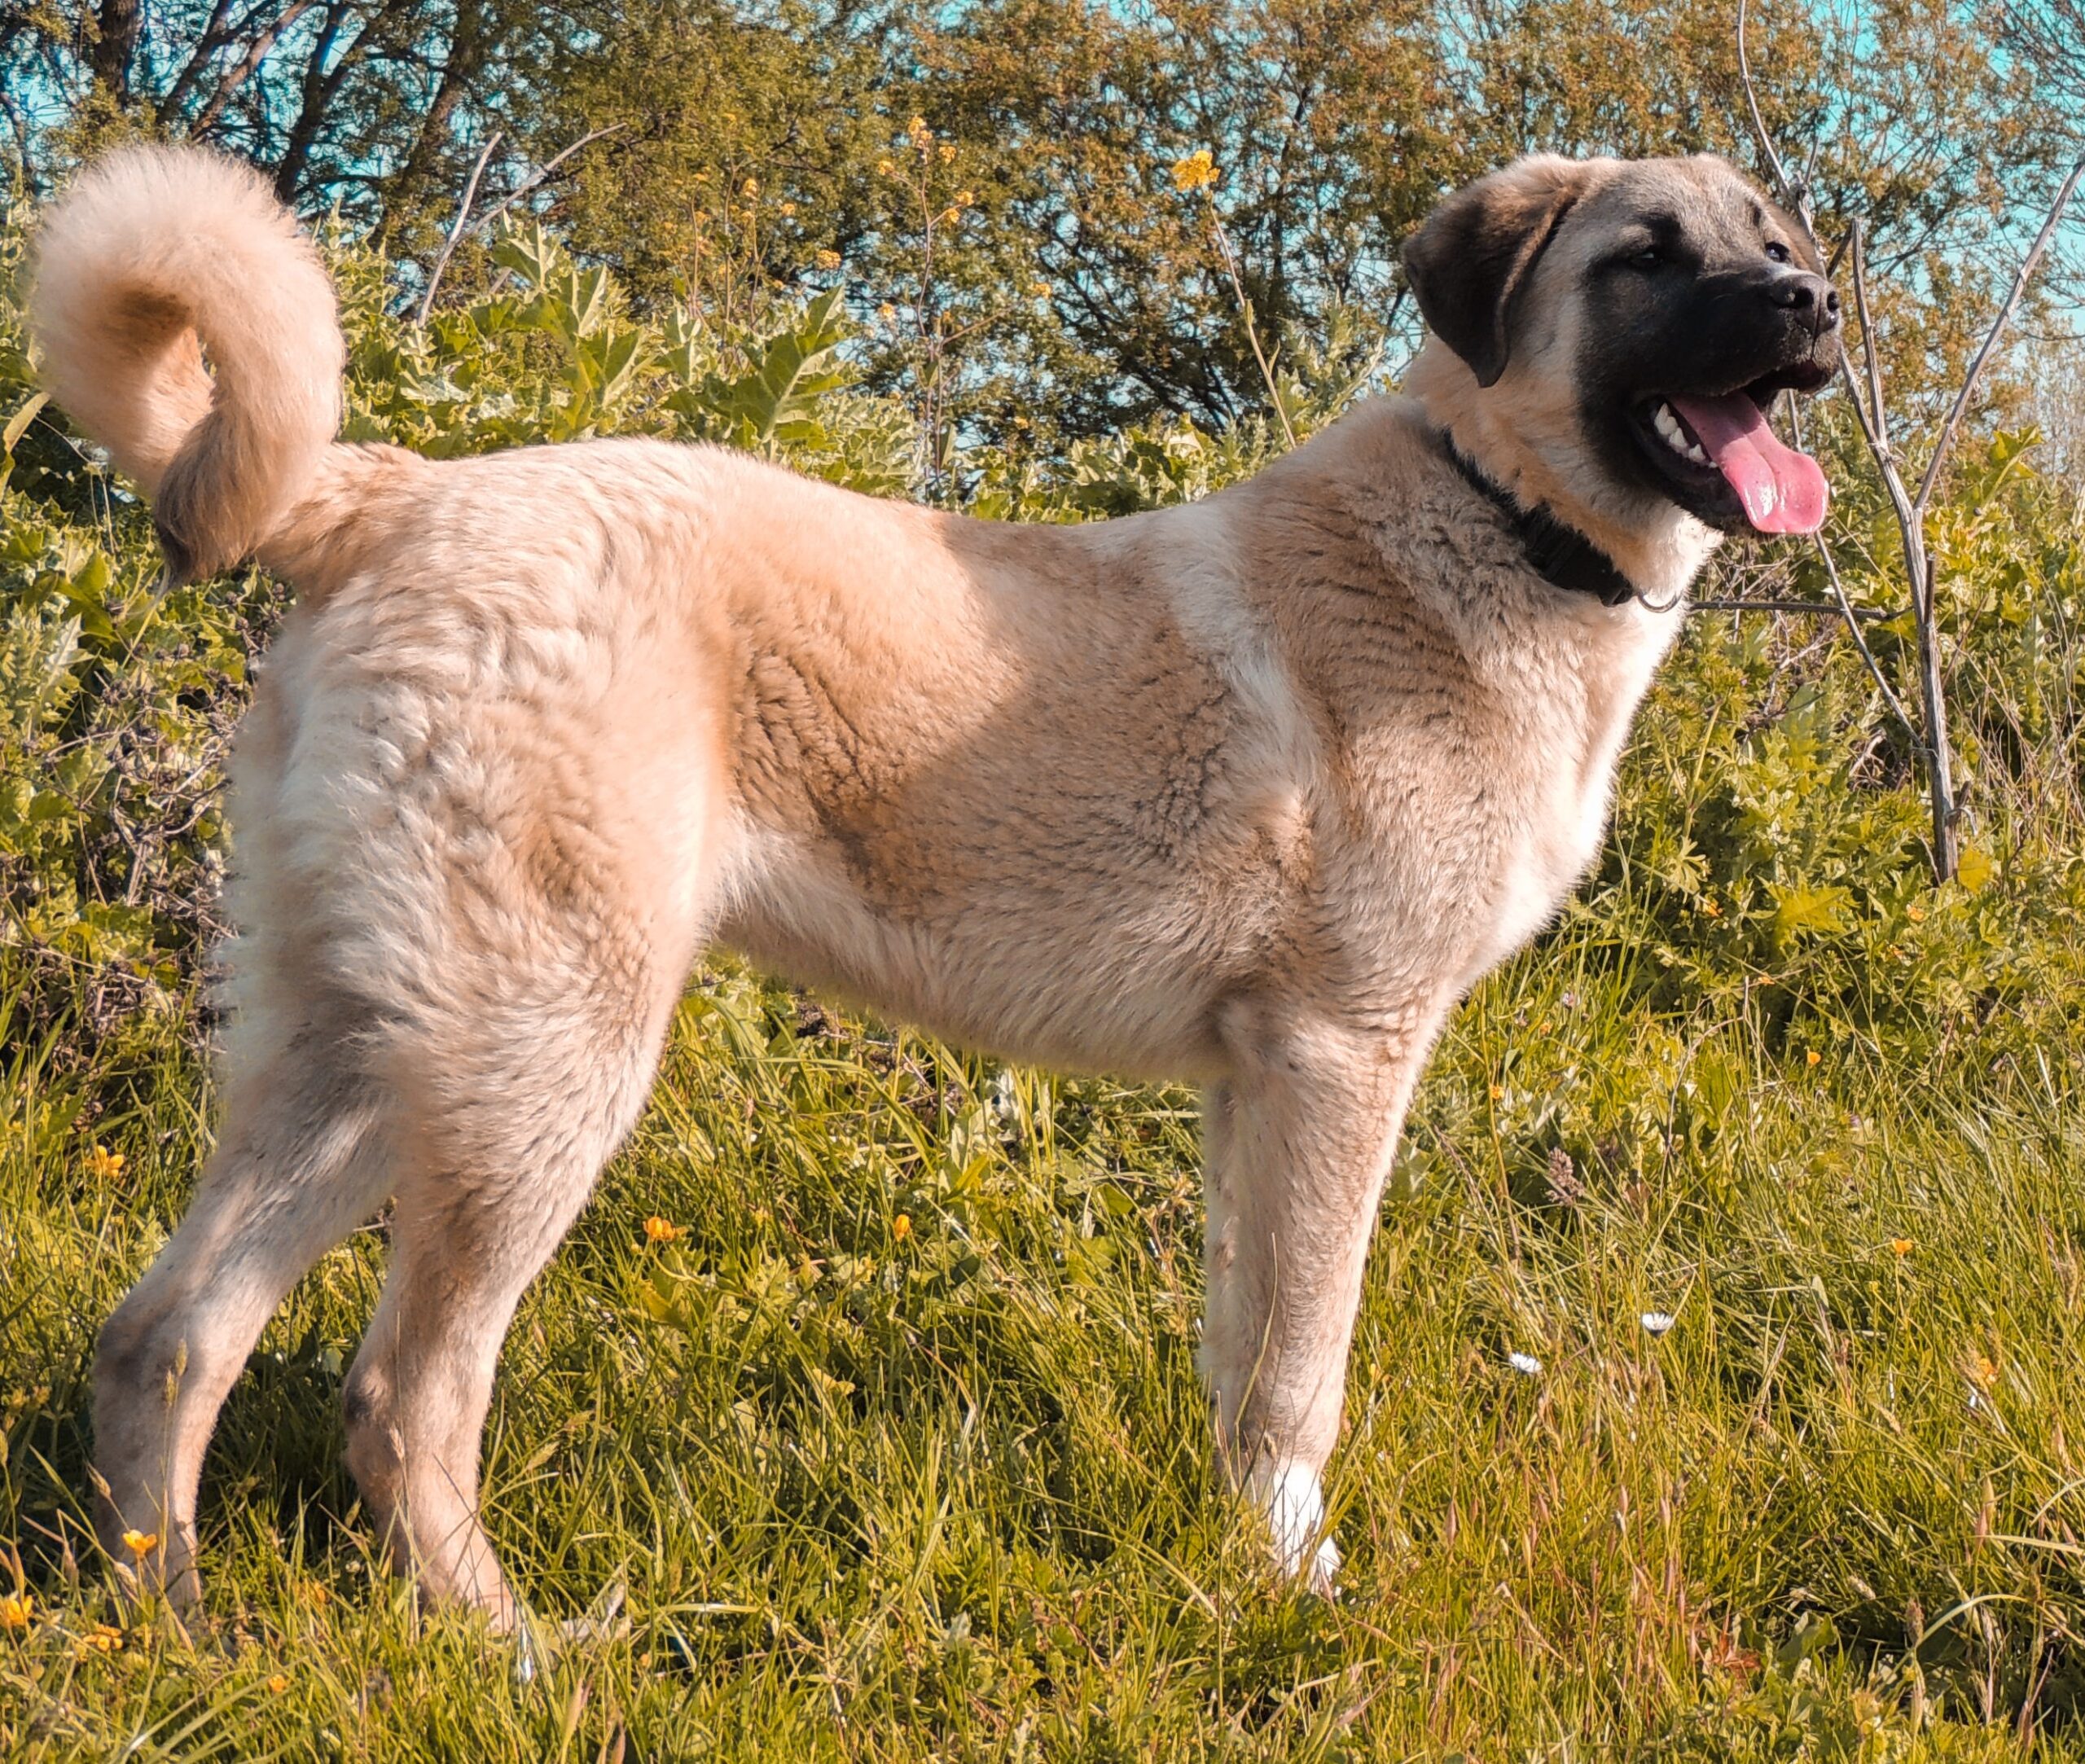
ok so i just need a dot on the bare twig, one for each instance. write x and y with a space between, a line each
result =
538 176
1829 609
1853 615
1918 575
456 232
1796 198
1252 331
2027 266
1876 413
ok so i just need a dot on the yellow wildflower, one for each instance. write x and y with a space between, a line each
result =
1498 1093
17 1608
828 260
946 151
103 1164
660 1230
103 1638
1983 1372
901 1228
750 187
1197 171
277 1684
1916 914
141 1543
948 217
788 208
1709 908
921 134
1812 1057
1900 1246
963 199
887 313
1039 289
886 168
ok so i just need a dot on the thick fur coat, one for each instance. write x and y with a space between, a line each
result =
1247 792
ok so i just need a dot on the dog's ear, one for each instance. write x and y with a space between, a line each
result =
1475 251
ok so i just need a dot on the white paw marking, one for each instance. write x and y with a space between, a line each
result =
1293 1501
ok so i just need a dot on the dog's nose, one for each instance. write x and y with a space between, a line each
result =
1811 297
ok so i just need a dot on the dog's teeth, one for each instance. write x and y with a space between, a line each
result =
1669 429
1676 437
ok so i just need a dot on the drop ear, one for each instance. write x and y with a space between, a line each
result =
1475 252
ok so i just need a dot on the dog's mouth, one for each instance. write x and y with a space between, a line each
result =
1722 461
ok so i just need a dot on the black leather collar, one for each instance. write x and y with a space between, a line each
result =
1562 556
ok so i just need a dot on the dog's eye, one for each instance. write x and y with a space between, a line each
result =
1778 252
1650 258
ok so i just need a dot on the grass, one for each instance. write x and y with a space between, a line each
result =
899 1449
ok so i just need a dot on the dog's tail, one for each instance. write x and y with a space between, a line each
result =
156 255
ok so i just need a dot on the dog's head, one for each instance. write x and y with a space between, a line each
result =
1626 324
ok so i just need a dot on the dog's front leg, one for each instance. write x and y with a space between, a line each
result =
1299 1140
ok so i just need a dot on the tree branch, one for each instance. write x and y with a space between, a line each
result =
241 71
456 232
1991 340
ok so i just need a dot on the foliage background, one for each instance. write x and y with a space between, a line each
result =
892 1426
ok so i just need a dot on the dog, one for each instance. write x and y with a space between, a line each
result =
1248 792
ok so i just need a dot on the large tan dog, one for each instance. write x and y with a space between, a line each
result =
1248 792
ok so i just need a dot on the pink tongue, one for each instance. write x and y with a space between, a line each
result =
1782 490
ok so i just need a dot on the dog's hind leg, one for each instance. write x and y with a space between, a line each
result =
300 1163
560 970
489 1190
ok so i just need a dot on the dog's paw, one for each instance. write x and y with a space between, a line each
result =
1292 1500
537 1644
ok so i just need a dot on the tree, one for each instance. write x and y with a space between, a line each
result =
371 104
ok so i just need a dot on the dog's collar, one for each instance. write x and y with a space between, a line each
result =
1562 556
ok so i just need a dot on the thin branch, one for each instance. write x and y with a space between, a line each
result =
1782 182
1252 331
1857 257
1990 341
213 38
538 176
456 232
242 70
1852 616
1825 609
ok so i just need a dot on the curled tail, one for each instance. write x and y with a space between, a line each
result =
154 255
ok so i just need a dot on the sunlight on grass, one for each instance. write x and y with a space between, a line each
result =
871 1372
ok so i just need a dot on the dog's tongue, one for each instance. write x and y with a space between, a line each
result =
1783 491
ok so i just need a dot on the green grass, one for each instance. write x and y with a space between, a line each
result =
900 1451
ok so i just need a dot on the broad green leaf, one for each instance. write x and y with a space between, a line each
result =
1802 910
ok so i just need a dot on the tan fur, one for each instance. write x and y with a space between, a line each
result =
1247 792
153 256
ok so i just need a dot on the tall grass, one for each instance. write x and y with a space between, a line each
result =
890 1424
900 1451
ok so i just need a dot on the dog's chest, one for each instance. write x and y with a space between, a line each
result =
1481 805
1552 836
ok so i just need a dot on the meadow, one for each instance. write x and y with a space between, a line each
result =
1724 1324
